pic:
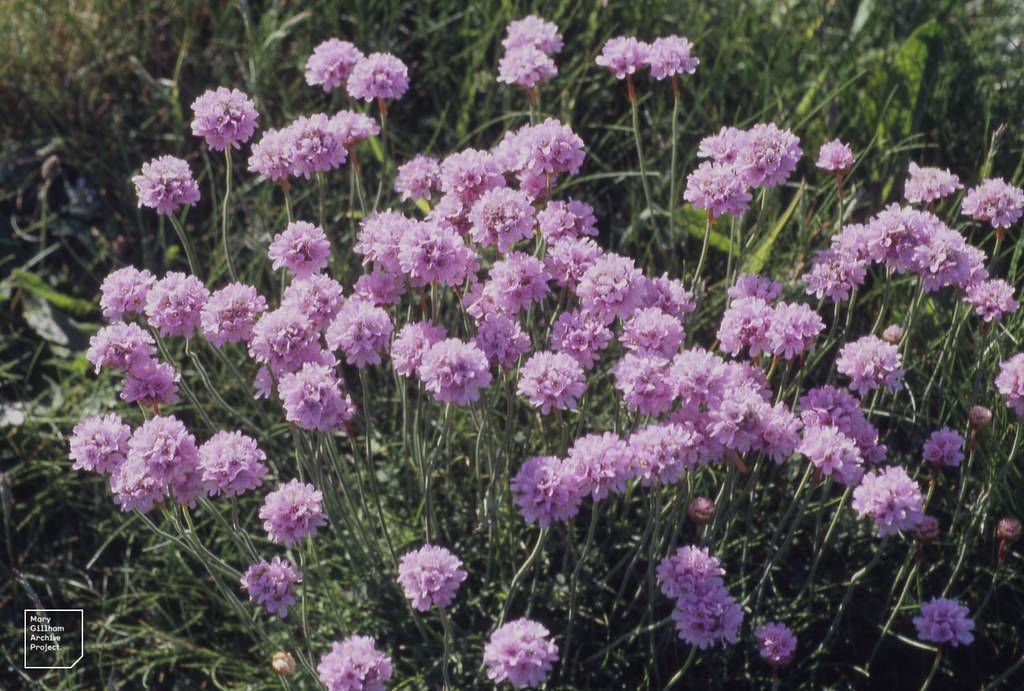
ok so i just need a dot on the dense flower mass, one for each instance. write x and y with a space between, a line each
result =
231 463
944 621
454 371
996 202
331 63
417 177
547 489
272 584
124 292
272 155
521 653
354 664
228 316
162 456
361 331
718 189
314 146
601 463
502 217
526 66
292 512
301 247
891 499
769 155
174 304
928 185
833 454
411 343
776 643
165 184
100 444
224 118
870 362
313 398
551 381
378 76
532 31
430 576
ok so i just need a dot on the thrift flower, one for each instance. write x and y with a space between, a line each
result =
165 184
379 76
430 576
927 185
411 343
1010 382
228 316
546 489
291 512
313 398
776 643
416 178
224 118
100 444
717 189
944 621
870 362
602 464
361 331
454 371
271 584
944 448
174 304
623 55
996 202
331 63
231 463
891 499
124 292
669 56
580 335
835 157
521 653
302 248
354 664
532 31
551 380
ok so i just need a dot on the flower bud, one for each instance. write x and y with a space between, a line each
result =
283 663
1008 529
927 530
893 334
701 510
51 167
979 417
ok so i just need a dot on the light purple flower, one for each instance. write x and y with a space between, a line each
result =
301 247
380 287
546 489
745 326
165 184
469 173
776 643
669 295
228 316
516 282
995 201
566 219
351 127
162 455
526 67
929 184
722 147
769 155
151 384
1010 382
315 145
755 286
121 346
945 259
992 299
612 287
551 381
668 56
601 463
567 259
313 398
378 76
834 275
944 447
430 576
284 339
521 653
649 331
355 664
224 118
454 371
580 335
644 383
380 236
272 154
502 217
718 189
944 621
292 512
792 329
331 63
433 253
870 362
532 31
124 292
835 157
271 584
174 304
710 617
661 453
832 453
100 444
317 296
829 405
891 499
411 343
361 331
623 55
690 571
231 463
417 177
502 339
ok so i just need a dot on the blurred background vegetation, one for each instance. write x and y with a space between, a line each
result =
89 90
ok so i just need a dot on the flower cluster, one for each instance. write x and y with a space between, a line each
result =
430 576
705 612
521 653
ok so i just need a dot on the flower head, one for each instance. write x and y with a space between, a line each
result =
284 339
792 329
644 383
1010 382
301 247
224 118
228 316
992 299
435 253
551 380
891 499
602 464
516 282
121 346
870 362
718 189
566 219
469 173
835 157
623 55
331 63
776 643
378 76
501 217
502 339
668 56
944 448
411 343
690 571
769 155
526 67
755 286
151 384
580 335
361 331
315 145
174 304
165 184
521 653
454 371
430 576
351 127
832 453
944 621
567 259
231 463
547 489
417 177
313 398
707 618
652 332
272 154
995 201
612 287
124 292
271 584
100 444
533 31
354 664
291 512
929 184
317 296
661 453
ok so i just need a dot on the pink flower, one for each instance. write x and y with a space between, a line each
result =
690 571
832 453
776 643
769 155
670 55
580 335
433 253
532 31
174 304
380 287
718 189
929 184
870 362
566 219
944 448
649 331
317 296
228 316
567 259
836 157
351 127
417 177
313 398
331 63
612 287
992 299
745 326
284 339
546 489
378 76
272 154
526 67
891 498
152 383
502 340
232 463
165 184
302 248
430 577
710 617
661 453
996 202
361 331
944 621
1010 382
314 146
271 584
124 292
224 118
501 217
623 55
516 282
644 383
411 343
520 653
121 346
722 147
469 173
355 664
100 444
669 295
292 512
792 329
755 286
454 371
551 380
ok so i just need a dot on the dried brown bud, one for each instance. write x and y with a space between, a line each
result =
1008 529
979 417
51 167
283 663
893 334
701 510
927 530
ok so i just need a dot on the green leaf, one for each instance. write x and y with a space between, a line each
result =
755 261
32 283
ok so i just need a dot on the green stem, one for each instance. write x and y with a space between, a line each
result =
517 579
186 243
703 255
672 168
224 213
639 146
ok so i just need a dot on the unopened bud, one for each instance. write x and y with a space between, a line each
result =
1008 529
893 334
927 530
51 167
283 663
979 417
701 510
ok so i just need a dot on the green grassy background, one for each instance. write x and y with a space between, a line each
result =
104 86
